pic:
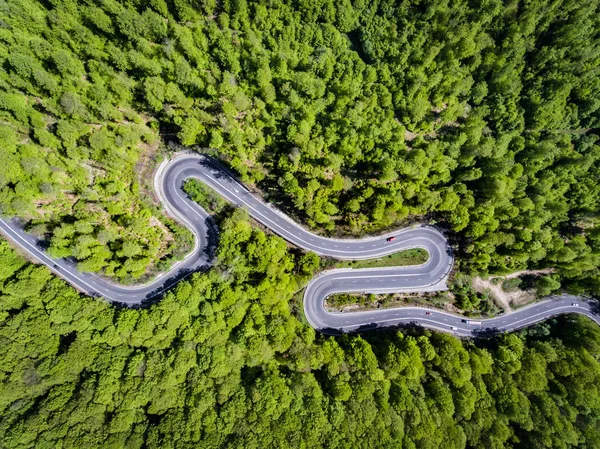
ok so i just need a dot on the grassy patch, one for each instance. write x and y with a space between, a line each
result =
391 300
435 300
414 256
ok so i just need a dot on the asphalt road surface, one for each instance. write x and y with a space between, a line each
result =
430 276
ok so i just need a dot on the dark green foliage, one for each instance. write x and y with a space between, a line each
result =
221 362
466 297
546 285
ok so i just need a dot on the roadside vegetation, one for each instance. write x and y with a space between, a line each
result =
461 298
348 302
414 256
210 200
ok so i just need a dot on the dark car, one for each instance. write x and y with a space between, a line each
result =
391 239
427 313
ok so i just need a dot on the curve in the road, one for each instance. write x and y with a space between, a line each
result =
430 276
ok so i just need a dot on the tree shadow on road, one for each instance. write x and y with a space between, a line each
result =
594 306
412 327
156 295
376 327
212 239
486 332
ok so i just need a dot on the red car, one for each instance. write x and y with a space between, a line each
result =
427 313
391 239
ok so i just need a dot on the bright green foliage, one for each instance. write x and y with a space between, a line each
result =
351 115
223 362
70 141
205 196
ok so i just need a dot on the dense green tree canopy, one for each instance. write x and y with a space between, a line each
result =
223 361
353 116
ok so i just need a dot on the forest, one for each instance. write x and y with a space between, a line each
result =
226 361
352 116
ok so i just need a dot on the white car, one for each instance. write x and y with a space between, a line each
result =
575 304
453 328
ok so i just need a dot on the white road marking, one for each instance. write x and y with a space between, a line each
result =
403 278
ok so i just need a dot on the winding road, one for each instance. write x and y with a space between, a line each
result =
430 276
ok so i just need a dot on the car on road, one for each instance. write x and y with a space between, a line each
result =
391 239
427 313
575 304
453 328
57 267
473 322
